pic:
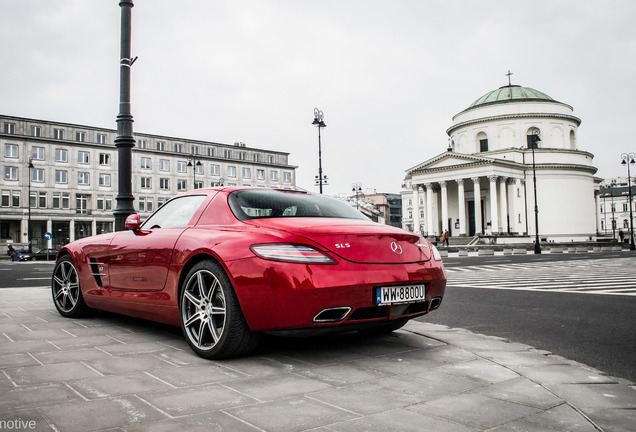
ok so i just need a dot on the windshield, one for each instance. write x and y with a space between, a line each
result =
259 204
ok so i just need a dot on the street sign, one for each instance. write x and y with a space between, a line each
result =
48 236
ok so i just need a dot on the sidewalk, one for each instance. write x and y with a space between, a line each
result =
119 374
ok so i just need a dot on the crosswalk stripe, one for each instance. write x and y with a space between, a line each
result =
598 276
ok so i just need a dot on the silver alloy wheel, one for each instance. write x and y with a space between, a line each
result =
66 287
203 310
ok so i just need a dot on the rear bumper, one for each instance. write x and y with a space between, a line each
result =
276 295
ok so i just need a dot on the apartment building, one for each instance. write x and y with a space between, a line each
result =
61 178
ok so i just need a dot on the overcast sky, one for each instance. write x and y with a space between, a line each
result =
388 75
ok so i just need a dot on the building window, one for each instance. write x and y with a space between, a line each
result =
104 202
160 201
260 174
15 198
104 159
37 153
101 138
42 199
273 175
198 168
613 207
37 175
145 163
164 184
146 182
625 223
231 171
9 128
61 200
143 144
181 167
211 151
181 185
58 134
161 145
247 173
625 207
286 177
270 159
483 145
11 150
83 178
36 131
215 170
145 204
61 155
83 157
242 155
11 173
178 148
80 136
227 153
195 149
61 176
81 204
33 198
256 157
198 184
104 180
164 165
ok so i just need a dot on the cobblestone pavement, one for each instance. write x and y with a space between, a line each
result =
119 374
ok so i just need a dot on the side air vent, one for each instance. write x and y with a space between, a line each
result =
96 270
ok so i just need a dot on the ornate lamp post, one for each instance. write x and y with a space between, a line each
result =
357 189
533 141
628 159
319 122
197 163
30 165
124 140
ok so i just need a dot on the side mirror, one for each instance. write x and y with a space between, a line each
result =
133 222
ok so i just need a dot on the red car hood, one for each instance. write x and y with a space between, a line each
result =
355 240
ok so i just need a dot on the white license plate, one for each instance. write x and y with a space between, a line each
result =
400 294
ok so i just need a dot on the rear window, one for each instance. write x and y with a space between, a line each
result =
260 204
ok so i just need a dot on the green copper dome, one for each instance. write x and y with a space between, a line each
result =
511 93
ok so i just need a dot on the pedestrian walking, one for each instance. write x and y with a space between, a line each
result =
445 237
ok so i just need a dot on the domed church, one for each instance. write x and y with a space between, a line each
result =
504 146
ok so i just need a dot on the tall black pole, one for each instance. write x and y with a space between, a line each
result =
29 202
124 141
319 123
537 244
628 159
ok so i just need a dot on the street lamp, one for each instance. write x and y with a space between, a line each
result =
357 188
197 163
628 159
319 122
533 140
29 203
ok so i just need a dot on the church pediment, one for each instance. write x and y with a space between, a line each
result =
448 159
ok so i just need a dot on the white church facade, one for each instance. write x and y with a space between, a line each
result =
505 145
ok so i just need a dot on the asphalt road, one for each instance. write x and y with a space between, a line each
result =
597 330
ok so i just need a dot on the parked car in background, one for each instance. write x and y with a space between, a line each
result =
227 264
21 255
45 255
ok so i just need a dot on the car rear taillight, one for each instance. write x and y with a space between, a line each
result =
288 252
436 255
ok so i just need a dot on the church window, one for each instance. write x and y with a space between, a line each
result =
483 145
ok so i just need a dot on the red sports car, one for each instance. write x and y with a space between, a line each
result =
227 264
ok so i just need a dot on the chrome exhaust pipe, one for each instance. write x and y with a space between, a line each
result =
332 315
435 302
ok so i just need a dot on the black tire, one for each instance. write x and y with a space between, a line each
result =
211 317
384 328
66 291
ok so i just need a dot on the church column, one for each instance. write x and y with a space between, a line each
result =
462 207
429 209
444 206
477 198
494 208
520 207
503 206
416 210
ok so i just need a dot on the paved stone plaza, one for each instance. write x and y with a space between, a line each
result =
119 374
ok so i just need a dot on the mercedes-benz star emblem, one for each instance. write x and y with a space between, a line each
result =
396 248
